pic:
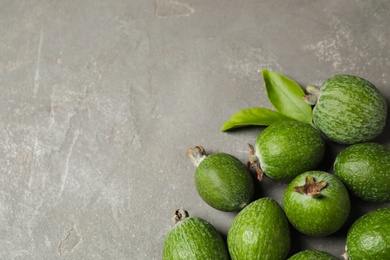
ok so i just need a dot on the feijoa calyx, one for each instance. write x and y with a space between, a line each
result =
369 236
193 238
313 255
259 231
348 109
221 180
316 203
365 170
286 149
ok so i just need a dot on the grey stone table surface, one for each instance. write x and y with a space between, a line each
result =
101 99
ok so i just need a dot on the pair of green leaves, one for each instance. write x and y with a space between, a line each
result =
285 96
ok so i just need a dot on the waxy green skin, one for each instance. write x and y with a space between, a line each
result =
365 170
194 238
259 231
369 236
312 255
349 110
289 148
224 182
320 216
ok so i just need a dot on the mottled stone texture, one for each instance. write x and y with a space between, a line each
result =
101 99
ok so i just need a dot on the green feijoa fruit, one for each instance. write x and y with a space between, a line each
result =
193 238
259 231
348 109
286 149
316 203
365 170
369 236
221 180
312 255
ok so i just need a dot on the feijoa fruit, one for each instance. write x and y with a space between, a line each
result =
286 149
369 236
348 109
312 255
221 180
193 238
316 203
365 170
259 231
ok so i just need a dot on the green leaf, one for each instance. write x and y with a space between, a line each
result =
253 116
286 96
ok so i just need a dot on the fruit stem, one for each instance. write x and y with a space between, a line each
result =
311 187
253 162
196 155
312 97
345 255
180 215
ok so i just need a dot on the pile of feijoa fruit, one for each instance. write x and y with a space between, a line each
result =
347 110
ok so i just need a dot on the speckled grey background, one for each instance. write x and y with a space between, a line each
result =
101 99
